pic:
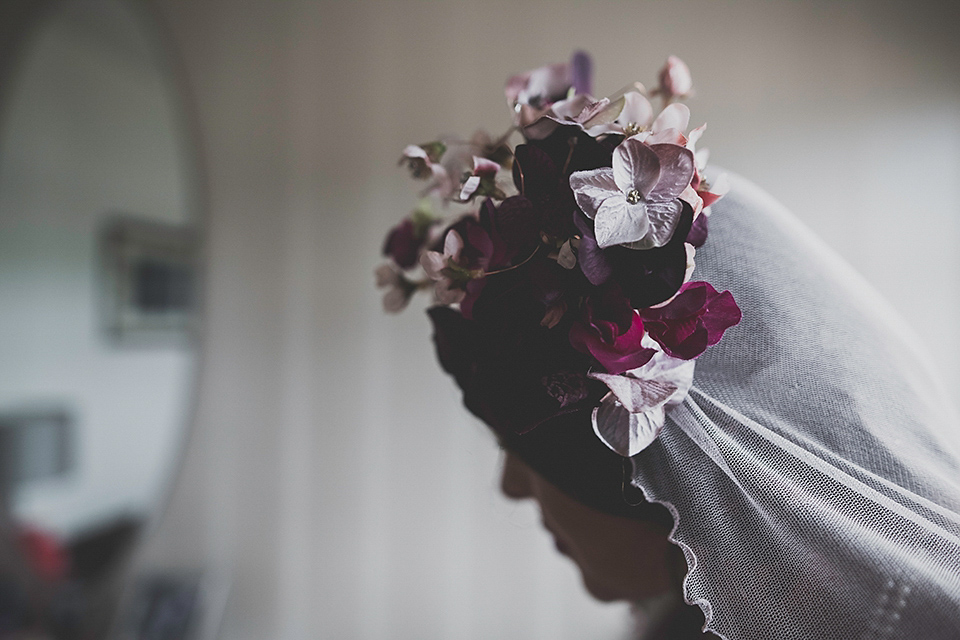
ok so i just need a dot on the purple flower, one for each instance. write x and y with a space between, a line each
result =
403 245
635 203
611 332
692 321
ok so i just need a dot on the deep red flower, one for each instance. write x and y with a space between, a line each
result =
693 321
611 332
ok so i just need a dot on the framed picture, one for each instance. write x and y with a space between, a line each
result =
185 605
34 445
150 280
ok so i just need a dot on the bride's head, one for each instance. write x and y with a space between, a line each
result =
618 540
620 558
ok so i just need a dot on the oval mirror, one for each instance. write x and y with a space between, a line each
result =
99 296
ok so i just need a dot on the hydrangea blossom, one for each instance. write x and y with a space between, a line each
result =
635 202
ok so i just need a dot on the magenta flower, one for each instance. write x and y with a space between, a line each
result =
694 320
635 203
611 332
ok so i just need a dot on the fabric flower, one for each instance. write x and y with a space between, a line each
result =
675 79
611 332
402 244
646 277
482 181
560 89
424 164
631 416
692 321
443 267
635 202
405 240
633 112
399 289
669 126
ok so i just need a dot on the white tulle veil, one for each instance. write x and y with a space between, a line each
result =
814 470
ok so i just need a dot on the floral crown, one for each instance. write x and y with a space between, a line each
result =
562 270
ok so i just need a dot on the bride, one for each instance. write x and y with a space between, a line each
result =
719 420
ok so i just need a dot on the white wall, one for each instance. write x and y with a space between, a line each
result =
332 471
90 130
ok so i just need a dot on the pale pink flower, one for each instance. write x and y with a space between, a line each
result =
399 290
635 203
631 416
482 168
633 113
669 126
434 263
557 89
424 164
675 79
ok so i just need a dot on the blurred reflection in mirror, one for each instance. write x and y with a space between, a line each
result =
99 280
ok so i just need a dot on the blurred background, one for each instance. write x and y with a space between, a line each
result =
205 416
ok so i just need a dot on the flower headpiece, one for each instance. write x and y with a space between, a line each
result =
562 274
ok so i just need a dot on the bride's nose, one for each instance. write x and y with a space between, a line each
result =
515 478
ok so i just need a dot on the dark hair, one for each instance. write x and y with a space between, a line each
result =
568 454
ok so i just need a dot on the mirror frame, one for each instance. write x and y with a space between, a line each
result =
20 22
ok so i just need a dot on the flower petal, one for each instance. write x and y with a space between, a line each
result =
674 116
635 166
395 300
619 222
676 171
593 262
626 433
722 313
566 258
452 245
469 187
663 217
433 262
636 395
591 188
636 110
581 72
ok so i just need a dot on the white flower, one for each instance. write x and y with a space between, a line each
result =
631 416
